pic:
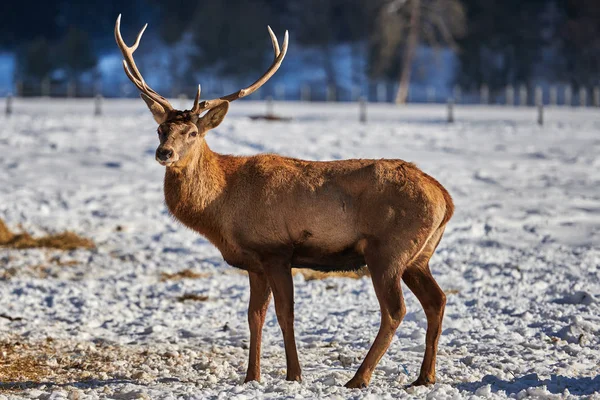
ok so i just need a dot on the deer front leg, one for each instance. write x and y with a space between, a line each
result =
260 295
280 280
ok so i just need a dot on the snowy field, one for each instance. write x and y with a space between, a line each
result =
520 260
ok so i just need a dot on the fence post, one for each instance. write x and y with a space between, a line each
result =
9 101
568 95
19 88
540 120
98 88
46 88
305 93
450 110
597 96
510 95
457 93
583 96
553 96
381 93
539 96
523 95
362 110
331 95
98 105
485 94
71 89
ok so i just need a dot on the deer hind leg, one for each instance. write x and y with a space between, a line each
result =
260 296
419 280
386 280
280 280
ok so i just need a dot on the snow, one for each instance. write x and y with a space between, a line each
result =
520 260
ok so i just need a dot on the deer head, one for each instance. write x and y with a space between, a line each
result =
180 132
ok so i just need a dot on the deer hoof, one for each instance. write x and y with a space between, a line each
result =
356 383
423 382
294 378
252 379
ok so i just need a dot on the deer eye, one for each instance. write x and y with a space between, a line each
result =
193 133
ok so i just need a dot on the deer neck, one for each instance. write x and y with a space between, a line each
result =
194 187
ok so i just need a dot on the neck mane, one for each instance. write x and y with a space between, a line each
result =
194 188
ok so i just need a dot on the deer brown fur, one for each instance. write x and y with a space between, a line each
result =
267 214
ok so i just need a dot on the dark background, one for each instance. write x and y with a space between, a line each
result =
342 44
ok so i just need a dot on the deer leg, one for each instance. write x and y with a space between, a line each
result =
419 280
280 280
260 295
391 302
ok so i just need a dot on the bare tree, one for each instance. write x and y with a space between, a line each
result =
404 24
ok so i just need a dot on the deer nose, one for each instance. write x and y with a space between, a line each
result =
164 154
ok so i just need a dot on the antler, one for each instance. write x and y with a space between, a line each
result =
199 107
131 69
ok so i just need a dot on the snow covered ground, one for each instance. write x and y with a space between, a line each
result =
520 260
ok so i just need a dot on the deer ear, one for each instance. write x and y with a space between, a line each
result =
213 117
158 111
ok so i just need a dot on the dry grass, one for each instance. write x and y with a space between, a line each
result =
61 241
183 274
310 275
192 297
27 364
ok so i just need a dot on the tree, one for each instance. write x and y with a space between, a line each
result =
503 44
579 36
408 23
36 62
316 26
76 54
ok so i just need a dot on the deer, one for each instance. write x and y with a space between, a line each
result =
268 214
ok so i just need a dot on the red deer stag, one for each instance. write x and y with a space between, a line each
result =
268 214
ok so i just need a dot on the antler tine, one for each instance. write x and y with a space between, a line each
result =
274 40
199 107
197 99
131 69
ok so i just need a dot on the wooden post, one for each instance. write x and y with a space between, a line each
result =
71 89
510 95
331 95
457 93
553 96
539 96
362 110
98 88
597 96
540 114
46 88
523 95
270 105
381 92
450 110
98 105
9 105
568 95
582 97
485 94
305 92
19 87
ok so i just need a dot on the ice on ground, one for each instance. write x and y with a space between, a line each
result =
520 260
